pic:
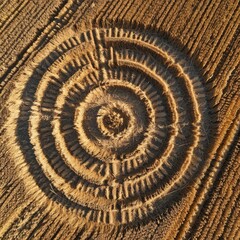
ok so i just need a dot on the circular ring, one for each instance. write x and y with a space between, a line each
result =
113 120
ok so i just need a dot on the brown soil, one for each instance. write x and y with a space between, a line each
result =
119 119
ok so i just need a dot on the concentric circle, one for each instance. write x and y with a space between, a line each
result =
113 120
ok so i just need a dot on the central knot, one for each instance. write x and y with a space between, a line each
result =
112 120
115 120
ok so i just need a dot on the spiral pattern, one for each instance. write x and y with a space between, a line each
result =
111 120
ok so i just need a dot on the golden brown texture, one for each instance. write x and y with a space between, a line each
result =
119 119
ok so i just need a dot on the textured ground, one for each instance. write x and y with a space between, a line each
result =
119 119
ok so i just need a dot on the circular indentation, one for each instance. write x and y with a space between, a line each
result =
112 120
109 123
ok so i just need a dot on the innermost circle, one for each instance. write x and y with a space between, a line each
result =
115 120
112 120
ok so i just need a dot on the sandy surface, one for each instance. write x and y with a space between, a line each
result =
119 119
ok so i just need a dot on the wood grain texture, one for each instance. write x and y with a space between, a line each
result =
119 119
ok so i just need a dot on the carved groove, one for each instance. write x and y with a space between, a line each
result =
110 122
